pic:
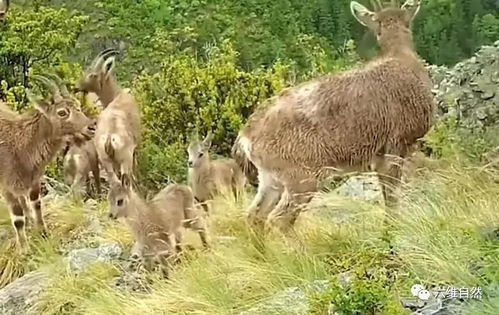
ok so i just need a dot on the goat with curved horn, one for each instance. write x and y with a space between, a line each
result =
35 136
118 128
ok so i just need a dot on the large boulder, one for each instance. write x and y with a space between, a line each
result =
19 296
468 93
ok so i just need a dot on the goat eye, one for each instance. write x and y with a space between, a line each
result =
201 154
62 112
119 202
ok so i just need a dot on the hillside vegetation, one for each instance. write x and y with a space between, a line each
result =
206 65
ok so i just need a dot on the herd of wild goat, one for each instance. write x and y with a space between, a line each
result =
364 119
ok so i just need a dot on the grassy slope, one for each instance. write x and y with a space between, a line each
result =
439 241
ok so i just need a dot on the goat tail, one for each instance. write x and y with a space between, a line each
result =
244 163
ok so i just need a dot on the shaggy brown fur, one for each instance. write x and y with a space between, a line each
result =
158 224
208 177
79 160
118 128
341 122
28 142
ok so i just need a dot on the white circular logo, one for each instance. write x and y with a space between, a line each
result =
424 295
416 288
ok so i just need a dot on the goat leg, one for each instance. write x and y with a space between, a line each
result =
36 202
96 175
17 218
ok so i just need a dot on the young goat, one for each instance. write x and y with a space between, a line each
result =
210 177
28 142
118 128
158 224
79 160
340 122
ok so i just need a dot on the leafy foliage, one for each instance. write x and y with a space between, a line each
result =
205 65
38 40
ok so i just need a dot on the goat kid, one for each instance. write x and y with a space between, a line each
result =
79 160
208 177
158 224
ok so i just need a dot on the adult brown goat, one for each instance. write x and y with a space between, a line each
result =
28 142
118 128
342 122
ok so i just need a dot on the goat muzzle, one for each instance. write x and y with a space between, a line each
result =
92 128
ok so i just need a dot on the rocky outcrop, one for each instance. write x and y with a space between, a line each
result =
79 259
469 93
19 296
470 89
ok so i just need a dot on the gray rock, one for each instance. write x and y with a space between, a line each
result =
94 227
469 93
361 187
19 296
79 259
432 307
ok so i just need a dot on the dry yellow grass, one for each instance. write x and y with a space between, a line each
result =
438 239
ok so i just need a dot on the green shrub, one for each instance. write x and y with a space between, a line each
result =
188 95
367 293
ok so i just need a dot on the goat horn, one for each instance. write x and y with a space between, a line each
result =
376 4
62 86
103 55
47 83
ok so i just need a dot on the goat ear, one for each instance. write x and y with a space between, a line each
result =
207 139
411 9
108 66
42 107
362 14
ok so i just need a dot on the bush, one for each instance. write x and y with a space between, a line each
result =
188 95
193 94
369 291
